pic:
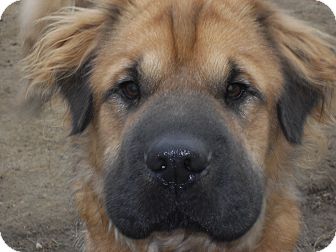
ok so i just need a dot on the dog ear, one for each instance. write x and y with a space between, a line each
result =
61 63
297 101
308 61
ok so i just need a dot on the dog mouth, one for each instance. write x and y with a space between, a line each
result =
178 220
184 208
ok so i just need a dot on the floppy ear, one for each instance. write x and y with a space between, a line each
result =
308 61
61 63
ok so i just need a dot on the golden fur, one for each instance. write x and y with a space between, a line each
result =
178 41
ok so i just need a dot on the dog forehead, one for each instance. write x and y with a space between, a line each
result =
181 25
200 35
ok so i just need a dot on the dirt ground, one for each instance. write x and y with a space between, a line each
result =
36 211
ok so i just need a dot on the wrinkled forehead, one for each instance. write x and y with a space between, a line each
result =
197 37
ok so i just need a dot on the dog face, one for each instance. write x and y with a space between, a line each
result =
170 171
186 101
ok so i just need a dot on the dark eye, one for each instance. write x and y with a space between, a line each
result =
130 90
234 91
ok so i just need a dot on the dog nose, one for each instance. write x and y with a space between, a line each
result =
177 160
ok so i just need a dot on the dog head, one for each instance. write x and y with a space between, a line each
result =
186 102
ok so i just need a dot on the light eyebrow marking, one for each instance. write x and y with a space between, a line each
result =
236 74
130 73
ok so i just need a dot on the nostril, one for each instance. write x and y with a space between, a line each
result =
187 164
163 164
156 163
196 163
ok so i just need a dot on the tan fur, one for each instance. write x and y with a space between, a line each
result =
184 45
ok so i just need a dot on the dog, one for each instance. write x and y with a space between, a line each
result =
192 116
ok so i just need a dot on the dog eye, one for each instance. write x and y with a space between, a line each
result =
130 90
235 91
